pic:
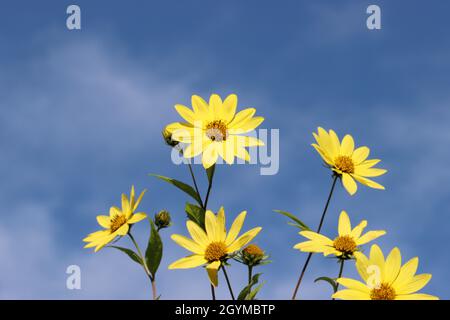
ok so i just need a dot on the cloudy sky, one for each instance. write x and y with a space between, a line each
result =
82 111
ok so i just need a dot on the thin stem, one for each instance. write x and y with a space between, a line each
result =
195 183
305 266
213 292
210 183
341 270
154 288
228 282
250 269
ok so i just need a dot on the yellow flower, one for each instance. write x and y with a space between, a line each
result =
385 279
343 246
213 246
117 223
347 162
215 129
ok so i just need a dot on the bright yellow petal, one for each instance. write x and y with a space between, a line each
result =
138 201
201 108
126 208
360 154
392 266
317 237
137 217
417 283
187 244
229 108
344 226
335 146
211 226
235 228
362 264
348 294
186 113
97 235
241 117
323 154
104 221
212 270
356 232
246 126
416 296
215 104
368 182
243 239
192 261
197 233
221 232
407 272
371 172
123 230
354 285
210 155
349 184
369 236
347 145
242 153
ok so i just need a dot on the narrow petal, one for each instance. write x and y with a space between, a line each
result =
201 108
349 184
356 232
369 236
360 154
126 208
235 228
362 264
368 182
347 145
137 217
192 261
244 239
246 126
371 172
392 265
377 257
187 244
241 117
335 146
212 270
354 285
348 294
197 233
123 230
215 105
186 113
417 283
407 272
229 108
104 221
323 154
138 201
317 237
221 232
210 155
211 226
416 296
344 226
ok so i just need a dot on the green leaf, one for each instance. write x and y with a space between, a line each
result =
182 186
298 222
331 281
133 255
252 295
210 173
196 214
153 253
243 295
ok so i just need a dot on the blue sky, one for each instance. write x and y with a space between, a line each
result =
82 111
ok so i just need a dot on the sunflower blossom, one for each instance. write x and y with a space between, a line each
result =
385 279
348 163
215 129
213 246
345 245
117 223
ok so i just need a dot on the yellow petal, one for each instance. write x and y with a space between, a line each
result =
246 141
104 221
369 236
317 237
349 184
417 283
377 258
242 153
138 201
196 147
348 294
360 154
192 261
246 126
416 296
356 232
362 264
229 108
186 113
96 235
201 108
347 145
313 246
126 208
241 117
210 155
407 272
123 230
392 265
172 127
221 232
212 270
368 182
235 228
137 217
215 104
371 172
335 146
244 239
354 285
211 226
323 154
187 244
344 226
197 233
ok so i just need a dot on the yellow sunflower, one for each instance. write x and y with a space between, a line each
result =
215 129
117 223
345 245
213 246
385 279
348 163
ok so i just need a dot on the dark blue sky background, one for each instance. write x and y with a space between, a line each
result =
82 111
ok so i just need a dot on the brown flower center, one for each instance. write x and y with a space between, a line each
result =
345 244
254 250
117 221
383 292
215 251
216 130
345 164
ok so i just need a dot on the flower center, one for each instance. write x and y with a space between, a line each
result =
345 164
345 244
383 292
216 130
254 250
215 251
117 221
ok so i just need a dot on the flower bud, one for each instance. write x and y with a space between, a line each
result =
252 255
162 219
167 135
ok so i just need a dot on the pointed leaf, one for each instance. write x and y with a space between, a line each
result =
153 253
247 289
196 214
182 186
298 222
252 295
133 255
210 173
331 281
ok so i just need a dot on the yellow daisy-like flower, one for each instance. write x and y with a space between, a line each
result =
215 129
347 162
385 279
345 245
213 246
117 223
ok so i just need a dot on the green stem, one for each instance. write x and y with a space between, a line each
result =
210 183
195 184
213 292
341 270
250 269
228 282
305 266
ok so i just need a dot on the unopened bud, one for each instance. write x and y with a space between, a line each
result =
167 135
252 255
162 219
